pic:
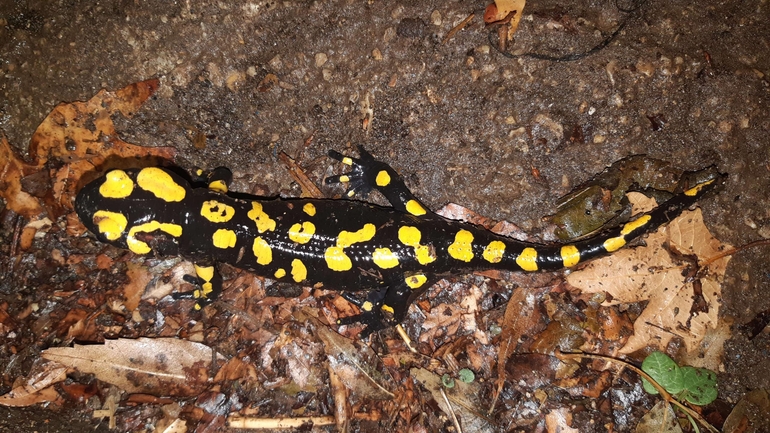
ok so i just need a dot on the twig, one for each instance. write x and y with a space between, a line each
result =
663 393
457 28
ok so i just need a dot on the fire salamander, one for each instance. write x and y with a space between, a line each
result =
395 253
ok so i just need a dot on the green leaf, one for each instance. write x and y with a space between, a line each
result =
700 385
664 371
466 375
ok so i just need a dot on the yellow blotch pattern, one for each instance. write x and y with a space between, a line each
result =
262 251
415 208
217 212
280 273
527 260
140 247
337 260
696 189
462 247
493 253
206 273
263 220
309 209
298 270
218 185
224 238
410 236
160 183
635 224
385 258
570 255
614 244
346 238
387 308
117 184
302 234
110 224
383 178
415 281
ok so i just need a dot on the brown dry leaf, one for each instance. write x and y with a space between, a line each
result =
652 273
358 368
559 421
500 11
461 403
160 366
522 316
37 388
81 135
660 419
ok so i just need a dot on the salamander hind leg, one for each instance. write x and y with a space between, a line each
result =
368 173
208 284
387 307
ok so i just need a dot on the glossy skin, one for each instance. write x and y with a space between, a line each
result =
395 253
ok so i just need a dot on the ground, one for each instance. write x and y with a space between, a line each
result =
504 136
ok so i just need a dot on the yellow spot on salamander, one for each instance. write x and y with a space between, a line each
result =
527 260
346 238
614 244
217 212
696 189
462 247
218 185
347 160
337 260
387 308
206 273
415 208
570 255
493 253
207 288
262 251
635 224
140 247
344 178
116 184
280 273
415 281
385 258
224 238
367 306
383 178
298 270
309 209
159 182
302 234
410 236
110 224
263 220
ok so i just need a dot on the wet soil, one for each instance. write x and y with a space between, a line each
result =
687 82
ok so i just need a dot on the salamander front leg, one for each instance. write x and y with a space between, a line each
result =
368 173
209 286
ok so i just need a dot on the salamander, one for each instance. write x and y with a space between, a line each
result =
392 253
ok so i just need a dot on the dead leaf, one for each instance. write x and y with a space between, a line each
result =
38 387
559 421
499 11
750 414
160 366
358 368
461 402
653 274
81 135
660 419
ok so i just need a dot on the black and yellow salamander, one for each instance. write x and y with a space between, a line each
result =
395 253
